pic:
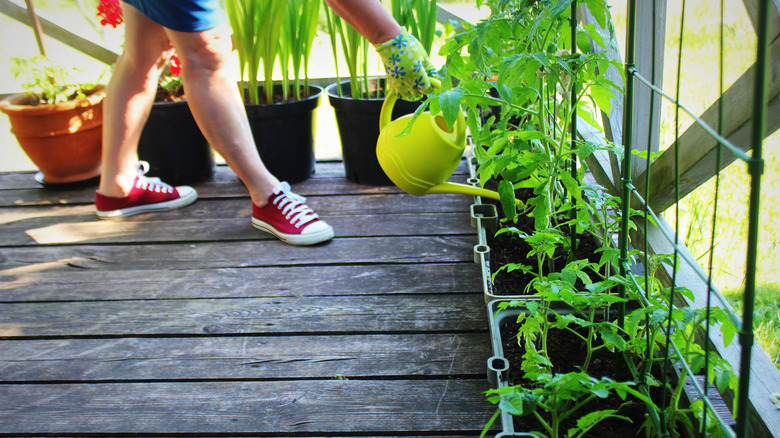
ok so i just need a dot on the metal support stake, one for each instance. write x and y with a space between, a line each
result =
755 168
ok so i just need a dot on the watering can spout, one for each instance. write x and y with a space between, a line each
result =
462 189
420 161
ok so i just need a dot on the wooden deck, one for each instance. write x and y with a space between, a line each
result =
193 323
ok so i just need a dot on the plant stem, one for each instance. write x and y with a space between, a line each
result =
589 341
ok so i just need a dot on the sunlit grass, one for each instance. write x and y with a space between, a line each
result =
699 89
697 215
766 323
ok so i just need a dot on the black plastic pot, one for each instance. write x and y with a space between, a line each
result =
174 147
284 135
358 123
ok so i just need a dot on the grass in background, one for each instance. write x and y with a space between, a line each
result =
700 52
698 90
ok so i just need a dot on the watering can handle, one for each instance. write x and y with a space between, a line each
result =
390 98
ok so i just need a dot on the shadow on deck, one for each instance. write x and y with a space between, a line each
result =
193 323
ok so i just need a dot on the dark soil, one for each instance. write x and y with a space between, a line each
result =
278 97
509 248
566 352
174 95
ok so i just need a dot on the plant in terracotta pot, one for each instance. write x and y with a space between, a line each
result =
57 122
281 115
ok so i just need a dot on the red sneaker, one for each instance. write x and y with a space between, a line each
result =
147 194
287 217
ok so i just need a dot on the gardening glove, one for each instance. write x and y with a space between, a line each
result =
407 66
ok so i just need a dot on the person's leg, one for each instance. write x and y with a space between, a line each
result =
216 104
129 99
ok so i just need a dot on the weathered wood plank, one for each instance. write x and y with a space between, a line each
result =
190 256
332 195
79 284
31 228
257 357
328 179
291 407
304 314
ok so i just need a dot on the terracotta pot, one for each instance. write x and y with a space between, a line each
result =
63 140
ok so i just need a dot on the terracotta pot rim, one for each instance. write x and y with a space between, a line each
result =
14 102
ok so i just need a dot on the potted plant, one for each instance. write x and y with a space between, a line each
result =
357 102
530 88
58 123
282 116
536 76
570 362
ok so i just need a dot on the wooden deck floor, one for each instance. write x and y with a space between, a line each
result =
192 323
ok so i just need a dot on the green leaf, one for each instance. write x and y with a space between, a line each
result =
587 421
601 95
449 102
519 403
508 204
599 10
729 330
570 184
722 378
610 337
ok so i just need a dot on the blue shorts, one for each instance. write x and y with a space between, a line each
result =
182 15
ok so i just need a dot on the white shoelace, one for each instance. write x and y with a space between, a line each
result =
152 184
293 206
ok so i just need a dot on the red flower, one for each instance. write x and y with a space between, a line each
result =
110 12
175 65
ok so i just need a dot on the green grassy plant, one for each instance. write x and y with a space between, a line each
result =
419 17
766 322
354 48
257 27
298 32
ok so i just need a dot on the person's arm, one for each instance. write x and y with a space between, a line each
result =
369 17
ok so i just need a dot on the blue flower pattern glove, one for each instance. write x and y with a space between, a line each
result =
407 66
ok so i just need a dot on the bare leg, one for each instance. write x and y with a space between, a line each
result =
129 99
214 99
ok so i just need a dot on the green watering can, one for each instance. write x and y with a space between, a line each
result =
420 162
